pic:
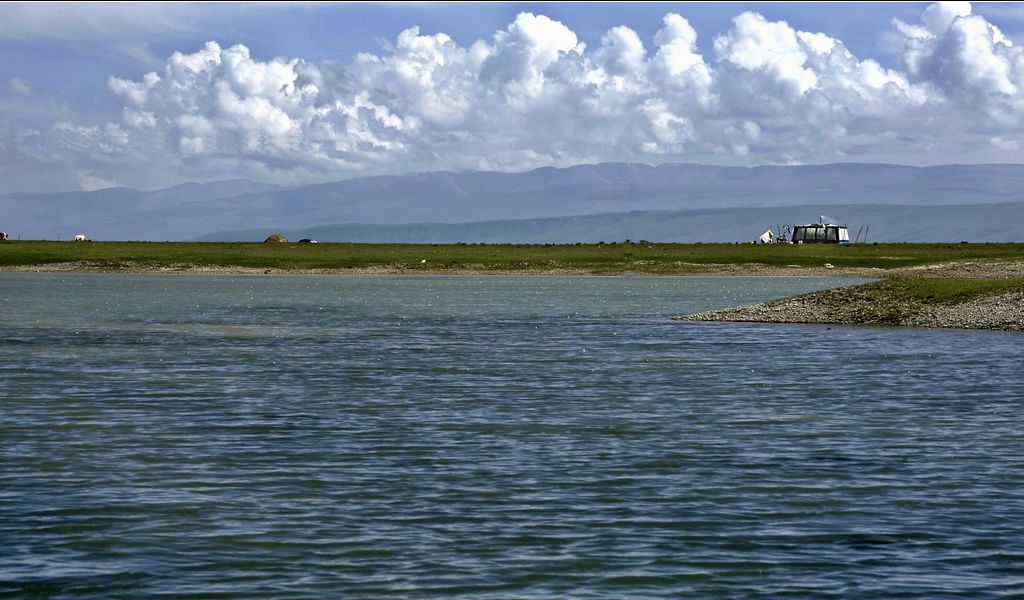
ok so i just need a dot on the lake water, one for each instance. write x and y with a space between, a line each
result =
494 437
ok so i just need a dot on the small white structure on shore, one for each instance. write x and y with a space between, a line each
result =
767 237
80 238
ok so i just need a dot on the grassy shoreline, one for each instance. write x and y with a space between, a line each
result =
870 260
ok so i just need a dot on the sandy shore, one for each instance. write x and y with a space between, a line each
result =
400 269
966 269
189 268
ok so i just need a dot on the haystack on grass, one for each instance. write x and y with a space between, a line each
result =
276 238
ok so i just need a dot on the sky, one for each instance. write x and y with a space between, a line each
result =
148 95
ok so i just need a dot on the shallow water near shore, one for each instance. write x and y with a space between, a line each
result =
494 437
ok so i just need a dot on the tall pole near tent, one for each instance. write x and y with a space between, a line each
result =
866 234
859 231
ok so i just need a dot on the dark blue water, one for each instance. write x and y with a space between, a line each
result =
493 437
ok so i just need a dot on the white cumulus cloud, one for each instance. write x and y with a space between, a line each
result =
19 86
969 60
90 183
534 94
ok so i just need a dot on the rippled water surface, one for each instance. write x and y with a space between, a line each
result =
494 437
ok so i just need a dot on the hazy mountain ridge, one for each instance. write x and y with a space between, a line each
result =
881 223
194 210
112 213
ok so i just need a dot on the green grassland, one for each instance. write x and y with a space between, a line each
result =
611 258
945 290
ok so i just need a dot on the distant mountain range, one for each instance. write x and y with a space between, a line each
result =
122 213
546 204
888 223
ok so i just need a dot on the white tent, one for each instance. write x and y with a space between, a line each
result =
767 237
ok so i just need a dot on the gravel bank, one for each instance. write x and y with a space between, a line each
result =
875 304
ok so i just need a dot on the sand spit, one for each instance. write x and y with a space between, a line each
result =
873 304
